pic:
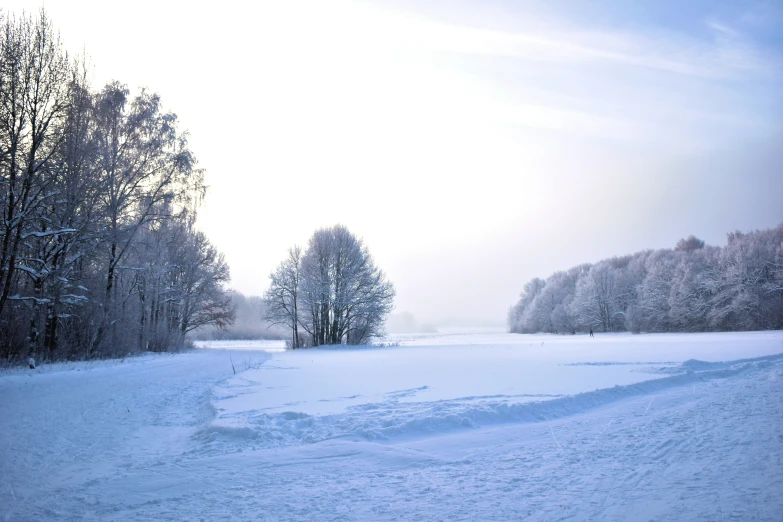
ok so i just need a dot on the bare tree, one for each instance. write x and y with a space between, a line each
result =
201 274
282 296
689 244
33 103
98 196
334 291
145 169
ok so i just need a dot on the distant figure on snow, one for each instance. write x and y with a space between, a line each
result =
591 333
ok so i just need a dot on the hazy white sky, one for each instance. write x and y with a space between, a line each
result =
473 145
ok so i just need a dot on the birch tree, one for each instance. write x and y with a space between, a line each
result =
145 169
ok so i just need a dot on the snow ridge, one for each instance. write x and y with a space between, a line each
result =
394 419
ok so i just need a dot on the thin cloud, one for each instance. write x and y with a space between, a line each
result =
727 54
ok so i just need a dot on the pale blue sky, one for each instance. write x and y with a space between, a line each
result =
473 145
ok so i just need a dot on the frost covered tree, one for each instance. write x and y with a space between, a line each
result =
143 162
181 286
61 256
145 169
333 292
693 287
519 317
747 294
652 310
282 297
599 297
98 195
691 290
550 311
564 317
34 70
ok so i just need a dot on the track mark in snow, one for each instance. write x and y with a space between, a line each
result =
555 438
392 419
399 394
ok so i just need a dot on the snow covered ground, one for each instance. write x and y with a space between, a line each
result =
481 426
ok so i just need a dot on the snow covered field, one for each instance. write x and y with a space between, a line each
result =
261 345
480 426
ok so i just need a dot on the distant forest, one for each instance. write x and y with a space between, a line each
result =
691 288
99 254
249 322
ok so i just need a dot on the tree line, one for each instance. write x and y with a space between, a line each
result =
332 293
691 288
99 255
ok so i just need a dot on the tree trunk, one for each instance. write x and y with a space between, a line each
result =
110 274
296 325
50 336
142 319
32 336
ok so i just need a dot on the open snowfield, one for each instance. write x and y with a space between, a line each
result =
479 426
